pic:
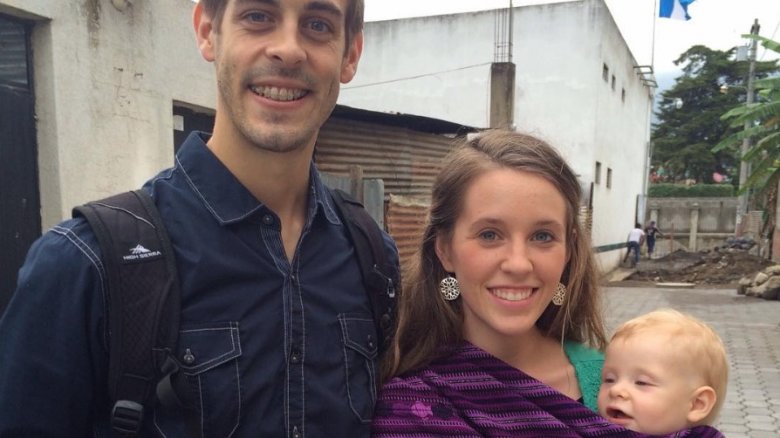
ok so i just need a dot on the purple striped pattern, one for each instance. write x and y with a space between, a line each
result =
473 394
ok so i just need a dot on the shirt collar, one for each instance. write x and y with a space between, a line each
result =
224 196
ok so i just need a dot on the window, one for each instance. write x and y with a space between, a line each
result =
597 178
605 73
613 82
609 178
13 54
623 94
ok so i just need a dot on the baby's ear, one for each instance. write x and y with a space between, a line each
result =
702 402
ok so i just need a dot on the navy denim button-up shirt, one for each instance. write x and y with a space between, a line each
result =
273 348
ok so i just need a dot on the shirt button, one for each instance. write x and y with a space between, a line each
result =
370 341
188 358
295 433
295 356
268 219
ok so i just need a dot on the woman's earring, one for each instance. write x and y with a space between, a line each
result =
559 295
449 288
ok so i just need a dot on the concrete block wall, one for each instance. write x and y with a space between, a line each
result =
693 223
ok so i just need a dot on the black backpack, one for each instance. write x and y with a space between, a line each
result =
144 297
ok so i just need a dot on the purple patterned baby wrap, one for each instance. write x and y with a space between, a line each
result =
473 394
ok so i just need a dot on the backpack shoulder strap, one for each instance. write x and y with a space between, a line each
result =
379 278
143 300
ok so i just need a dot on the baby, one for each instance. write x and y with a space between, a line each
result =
663 372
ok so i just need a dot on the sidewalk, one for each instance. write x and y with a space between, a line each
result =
750 328
618 274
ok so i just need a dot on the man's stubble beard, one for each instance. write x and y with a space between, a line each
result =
279 141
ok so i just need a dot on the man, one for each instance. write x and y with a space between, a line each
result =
635 239
651 231
276 334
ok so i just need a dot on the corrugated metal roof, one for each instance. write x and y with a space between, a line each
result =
405 221
400 120
397 150
405 151
407 160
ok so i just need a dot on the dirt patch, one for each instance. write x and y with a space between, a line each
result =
723 267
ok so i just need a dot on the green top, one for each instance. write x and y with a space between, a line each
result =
587 364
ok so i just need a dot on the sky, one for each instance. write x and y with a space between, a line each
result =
716 24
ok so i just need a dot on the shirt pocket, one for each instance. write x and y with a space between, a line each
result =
208 357
360 354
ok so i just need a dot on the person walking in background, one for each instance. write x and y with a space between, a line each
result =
651 231
635 239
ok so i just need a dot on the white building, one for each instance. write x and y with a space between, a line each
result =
105 82
96 94
88 93
577 85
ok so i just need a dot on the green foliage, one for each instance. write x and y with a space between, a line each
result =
685 139
759 122
665 190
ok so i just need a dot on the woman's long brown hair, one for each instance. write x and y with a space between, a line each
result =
427 324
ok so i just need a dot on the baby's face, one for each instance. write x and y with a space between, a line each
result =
643 387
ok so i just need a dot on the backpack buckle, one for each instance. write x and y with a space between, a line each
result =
171 390
390 288
127 416
381 281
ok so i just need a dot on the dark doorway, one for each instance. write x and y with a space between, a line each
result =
186 120
20 216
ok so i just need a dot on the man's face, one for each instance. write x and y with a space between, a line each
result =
279 64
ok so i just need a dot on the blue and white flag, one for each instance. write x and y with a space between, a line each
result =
676 9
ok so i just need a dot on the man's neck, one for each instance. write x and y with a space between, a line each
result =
278 180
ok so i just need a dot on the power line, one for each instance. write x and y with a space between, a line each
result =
416 77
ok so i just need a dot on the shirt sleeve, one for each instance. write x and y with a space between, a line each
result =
52 340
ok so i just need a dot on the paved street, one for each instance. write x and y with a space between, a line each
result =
750 328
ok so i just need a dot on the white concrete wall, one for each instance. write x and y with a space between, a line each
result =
439 67
105 84
106 81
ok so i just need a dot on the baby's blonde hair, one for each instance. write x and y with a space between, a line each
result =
698 344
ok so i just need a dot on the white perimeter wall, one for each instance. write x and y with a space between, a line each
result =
105 84
439 67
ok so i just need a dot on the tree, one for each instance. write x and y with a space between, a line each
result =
764 115
684 138
764 155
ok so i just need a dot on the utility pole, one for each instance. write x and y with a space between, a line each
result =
511 30
744 166
502 73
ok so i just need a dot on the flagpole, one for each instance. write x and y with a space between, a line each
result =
652 43
650 105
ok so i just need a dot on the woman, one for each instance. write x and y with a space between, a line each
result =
499 305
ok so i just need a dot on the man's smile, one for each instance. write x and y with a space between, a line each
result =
279 94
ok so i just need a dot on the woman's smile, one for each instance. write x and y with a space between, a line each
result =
510 294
